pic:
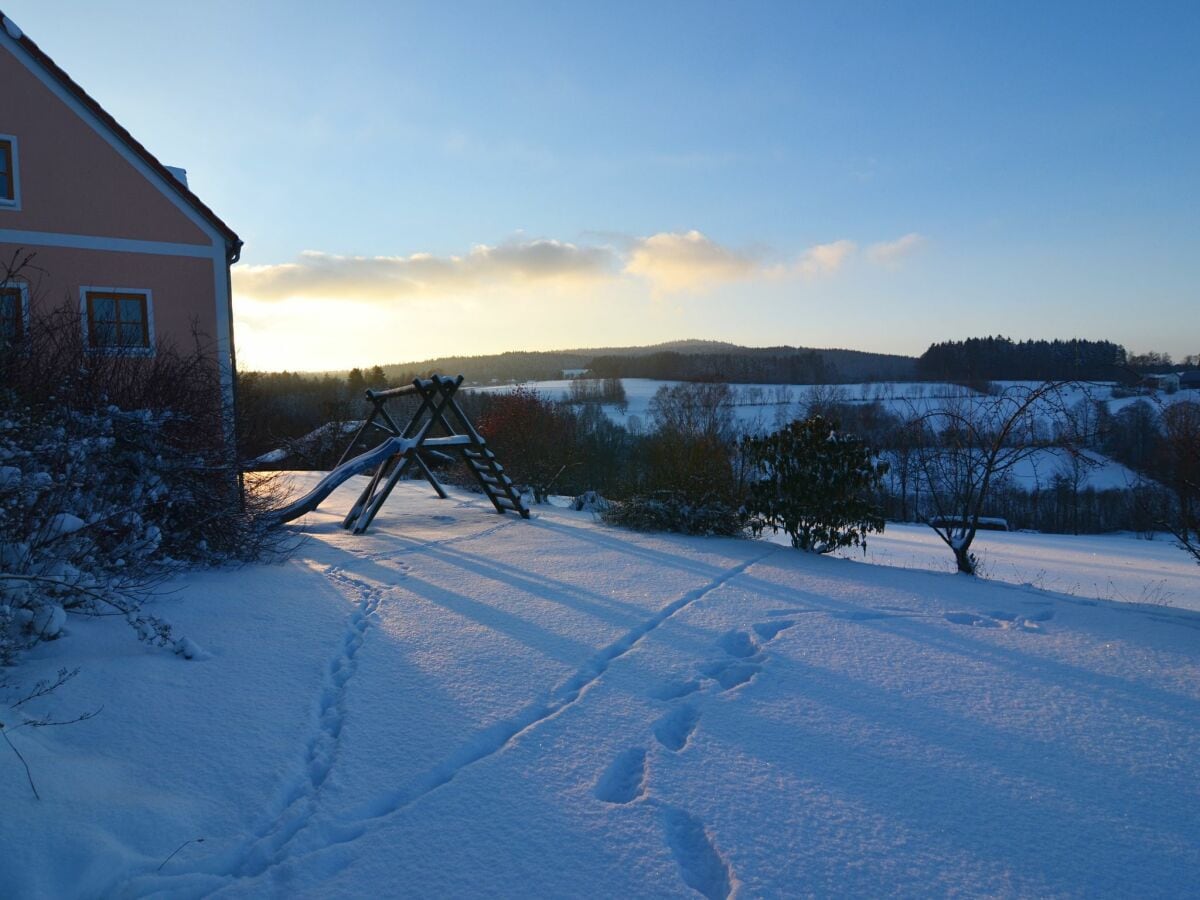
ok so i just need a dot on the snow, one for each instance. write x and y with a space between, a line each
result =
11 27
1039 469
1157 399
63 524
1117 567
271 457
49 620
461 704
755 405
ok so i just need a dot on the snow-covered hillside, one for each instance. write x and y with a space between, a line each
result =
764 407
758 405
460 705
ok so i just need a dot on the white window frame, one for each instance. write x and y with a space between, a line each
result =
24 290
117 351
15 175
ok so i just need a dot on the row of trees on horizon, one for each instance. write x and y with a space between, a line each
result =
995 358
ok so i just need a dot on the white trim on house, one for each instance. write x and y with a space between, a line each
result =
115 245
14 175
86 289
23 287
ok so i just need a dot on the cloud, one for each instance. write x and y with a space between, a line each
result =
686 261
317 274
891 252
670 262
824 259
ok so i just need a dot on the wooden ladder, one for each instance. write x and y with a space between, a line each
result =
438 408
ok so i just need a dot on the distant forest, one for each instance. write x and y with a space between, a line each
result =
675 361
970 361
768 365
1003 359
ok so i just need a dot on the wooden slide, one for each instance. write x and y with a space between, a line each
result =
364 462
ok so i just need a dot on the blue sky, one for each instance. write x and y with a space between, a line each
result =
477 177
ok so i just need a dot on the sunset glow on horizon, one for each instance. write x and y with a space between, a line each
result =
485 178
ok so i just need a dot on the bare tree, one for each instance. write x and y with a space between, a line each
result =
974 443
1180 467
906 439
695 410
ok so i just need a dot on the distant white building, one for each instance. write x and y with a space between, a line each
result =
1168 382
574 373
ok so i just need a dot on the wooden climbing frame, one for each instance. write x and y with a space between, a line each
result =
438 408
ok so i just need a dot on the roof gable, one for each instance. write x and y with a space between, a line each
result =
161 176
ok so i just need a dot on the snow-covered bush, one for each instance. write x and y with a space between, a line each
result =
671 511
114 472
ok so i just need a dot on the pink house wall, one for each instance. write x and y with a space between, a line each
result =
96 212
71 180
181 287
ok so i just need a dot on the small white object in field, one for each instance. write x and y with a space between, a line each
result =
590 501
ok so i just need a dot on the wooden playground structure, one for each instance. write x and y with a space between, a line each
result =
408 446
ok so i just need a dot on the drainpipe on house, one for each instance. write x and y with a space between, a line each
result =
233 253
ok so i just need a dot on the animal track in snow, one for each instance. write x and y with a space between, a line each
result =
673 691
768 631
737 675
503 734
1005 620
298 799
700 865
739 644
730 673
625 778
964 618
675 728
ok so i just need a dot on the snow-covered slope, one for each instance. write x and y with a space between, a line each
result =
1119 566
459 704
756 406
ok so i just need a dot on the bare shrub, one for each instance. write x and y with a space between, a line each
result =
115 472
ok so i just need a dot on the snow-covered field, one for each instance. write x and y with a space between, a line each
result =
1119 567
458 704
758 405
754 402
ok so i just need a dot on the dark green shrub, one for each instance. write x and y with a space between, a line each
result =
814 483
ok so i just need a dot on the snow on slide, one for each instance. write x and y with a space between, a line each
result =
455 706
364 462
